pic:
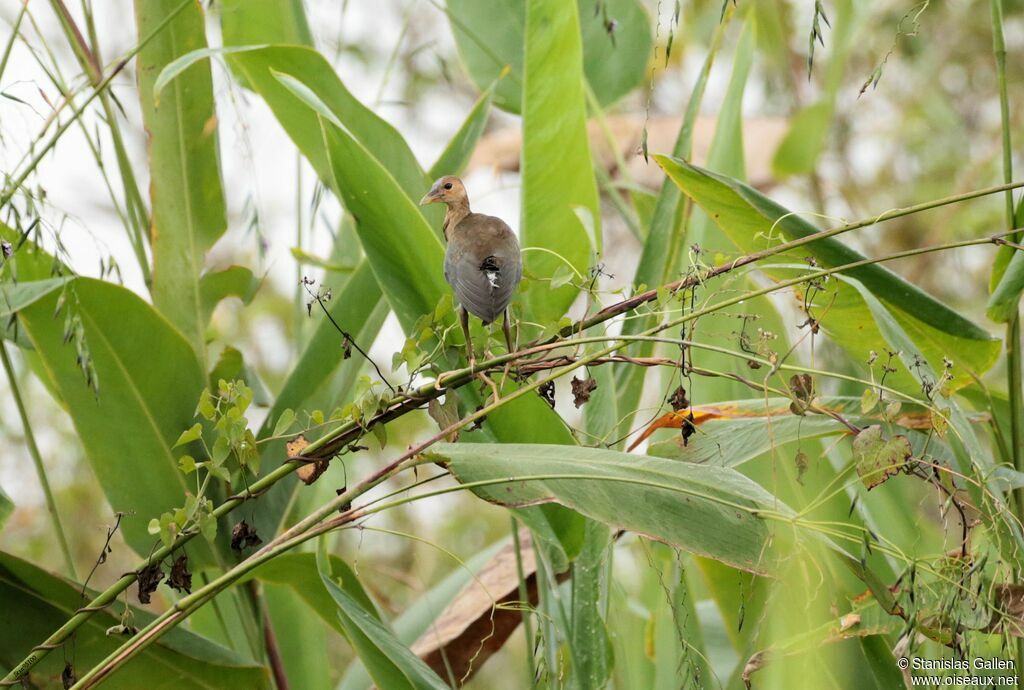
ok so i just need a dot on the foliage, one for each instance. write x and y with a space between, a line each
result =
791 456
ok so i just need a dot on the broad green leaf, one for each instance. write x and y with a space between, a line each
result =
236 281
973 460
710 511
456 154
877 458
302 640
149 381
248 22
590 646
799 151
747 217
34 603
530 420
1005 298
185 185
490 37
404 252
261 67
391 664
299 572
557 172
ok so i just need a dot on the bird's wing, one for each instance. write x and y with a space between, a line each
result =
483 266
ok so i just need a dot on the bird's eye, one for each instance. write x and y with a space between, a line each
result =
447 185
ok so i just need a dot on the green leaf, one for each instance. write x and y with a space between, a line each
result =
557 172
284 422
185 185
590 645
490 36
299 572
456 154
308 259
248 22
390 663
261 67
149 379
878 458
34 603
303 640
236 281
1005 298
710 511
747 217
399 244
6 506
417 618
189 435
799 151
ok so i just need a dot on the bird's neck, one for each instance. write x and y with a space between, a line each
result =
454 215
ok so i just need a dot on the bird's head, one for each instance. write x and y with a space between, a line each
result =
447 190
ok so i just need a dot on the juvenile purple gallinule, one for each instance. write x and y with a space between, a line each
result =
482 262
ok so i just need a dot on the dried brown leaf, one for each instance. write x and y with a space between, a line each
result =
480 619
180 578
147 579
581 390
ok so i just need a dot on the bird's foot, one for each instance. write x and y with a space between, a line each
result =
487 380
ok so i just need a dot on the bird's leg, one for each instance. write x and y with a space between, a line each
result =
508 332
508 341
464 319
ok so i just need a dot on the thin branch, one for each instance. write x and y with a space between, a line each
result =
329 445
310 527
37 460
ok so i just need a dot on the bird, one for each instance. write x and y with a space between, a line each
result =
482 261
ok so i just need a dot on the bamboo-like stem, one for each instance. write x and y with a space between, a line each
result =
37 460
334 442
41 152
89 60
1013 341
310 527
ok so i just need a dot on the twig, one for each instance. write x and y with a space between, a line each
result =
328 445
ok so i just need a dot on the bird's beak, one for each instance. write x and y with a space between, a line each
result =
430 197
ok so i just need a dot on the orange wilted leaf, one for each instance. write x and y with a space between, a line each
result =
701 414
311 471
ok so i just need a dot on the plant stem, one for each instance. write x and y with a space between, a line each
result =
310 526
43 150
524 597
37 460
334 442
89 60
1013 354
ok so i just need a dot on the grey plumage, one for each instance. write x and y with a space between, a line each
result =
482 265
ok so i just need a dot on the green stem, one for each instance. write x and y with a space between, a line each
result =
45 149
37 460
310 526
524 598
1013 342
334 442
14 36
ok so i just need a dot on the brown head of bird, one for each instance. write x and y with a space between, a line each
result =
449 190
482 262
